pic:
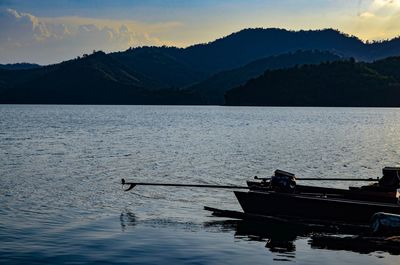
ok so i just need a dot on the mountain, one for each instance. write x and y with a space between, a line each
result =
214 88
341 83
94 79
184 67
164 64
181 67
388 66
19 66
248 45
136 75
245 46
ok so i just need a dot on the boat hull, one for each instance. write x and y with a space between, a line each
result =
311 206
353 193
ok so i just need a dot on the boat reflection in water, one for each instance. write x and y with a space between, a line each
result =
281 238
359 244
158 239
278 238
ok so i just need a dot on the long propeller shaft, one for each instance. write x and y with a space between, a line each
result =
133 184
328 179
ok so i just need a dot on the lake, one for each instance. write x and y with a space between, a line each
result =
61 166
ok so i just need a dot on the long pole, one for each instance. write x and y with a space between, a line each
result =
327 179
133 184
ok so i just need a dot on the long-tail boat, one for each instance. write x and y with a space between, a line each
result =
280 196
384 189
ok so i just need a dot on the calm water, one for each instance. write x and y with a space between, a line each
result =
60 168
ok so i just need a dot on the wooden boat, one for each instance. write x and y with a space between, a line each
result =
297 223
377 192
280 196
356 193
312 206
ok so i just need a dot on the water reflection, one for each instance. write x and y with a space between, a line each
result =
127 218
359 244
281 238
275 241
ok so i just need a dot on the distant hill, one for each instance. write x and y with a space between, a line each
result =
214 88
179 67
94 79
150 75
343 83
164 64
19 66
389 67
248 45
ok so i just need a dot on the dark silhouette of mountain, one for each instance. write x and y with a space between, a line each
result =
248 45
178 67
181 67
13 78
164 64
342 83
388 67
94 79
138 74
383 49
19 66
214 88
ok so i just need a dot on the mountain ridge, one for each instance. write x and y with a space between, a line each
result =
214 88
19 66
134 75
333 84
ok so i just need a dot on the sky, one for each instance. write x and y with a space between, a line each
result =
50 31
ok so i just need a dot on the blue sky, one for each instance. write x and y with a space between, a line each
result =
167 9
46 31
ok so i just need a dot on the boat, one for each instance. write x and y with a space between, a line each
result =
356 193
380 191
311 206
282 197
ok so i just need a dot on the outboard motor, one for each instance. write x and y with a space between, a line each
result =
390 178
283 181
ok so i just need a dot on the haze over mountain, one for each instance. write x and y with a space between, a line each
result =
150 75
340 83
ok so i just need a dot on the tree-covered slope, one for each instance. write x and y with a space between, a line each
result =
214 88
94 79
344 83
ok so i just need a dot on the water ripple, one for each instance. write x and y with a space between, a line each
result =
61 166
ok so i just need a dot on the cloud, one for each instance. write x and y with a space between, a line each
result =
385 7
380 20
25 37
366 15
20 28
